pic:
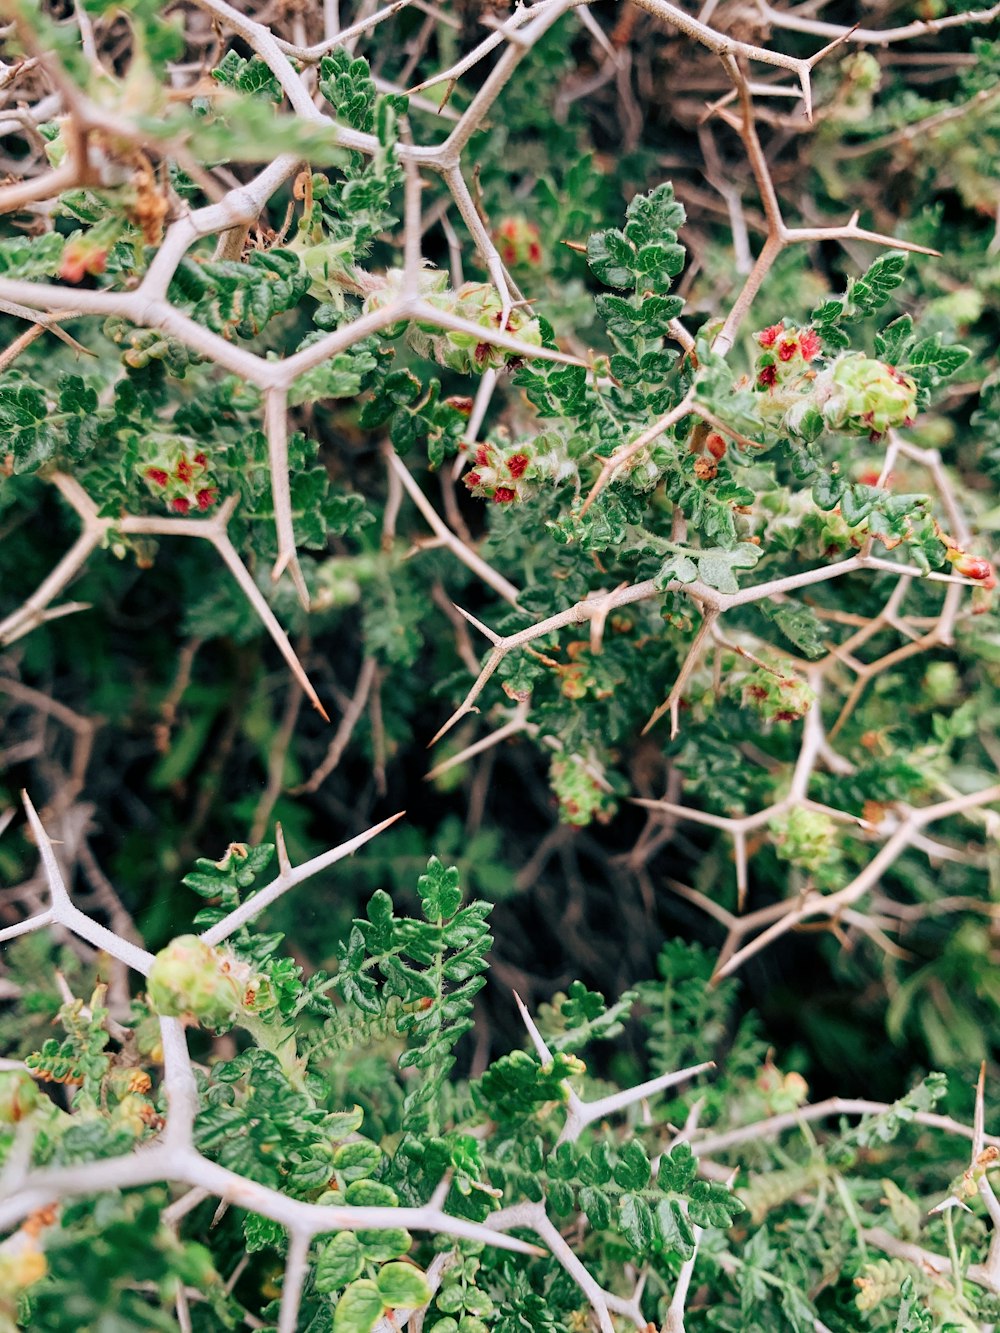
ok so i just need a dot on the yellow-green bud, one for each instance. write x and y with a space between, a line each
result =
191 979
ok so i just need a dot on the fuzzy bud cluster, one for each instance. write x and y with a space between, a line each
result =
777 698
191 979
805 838
518 242
582 797
181 481
478 303
505 473
854 393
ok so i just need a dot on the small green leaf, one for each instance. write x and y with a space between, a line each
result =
403 1285
340 1261
359 1309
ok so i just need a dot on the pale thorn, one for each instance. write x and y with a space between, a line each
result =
284 864
494 638
952 1201
587 1112
252 908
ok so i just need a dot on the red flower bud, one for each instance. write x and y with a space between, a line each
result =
767 376
516 465
157 476
184 471
768 337
504 495
207 498
810 344
716 445
975 567
787 348
181 505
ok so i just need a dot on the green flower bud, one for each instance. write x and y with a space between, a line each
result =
581 796
805 838
777 698
865 394
190 979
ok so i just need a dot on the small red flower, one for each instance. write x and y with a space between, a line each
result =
516 465
535 252
80 258
787 348
810 344
184 471
503 495
157 476
473 479
207 498
181 505
767 376
768 337
483 456
201 460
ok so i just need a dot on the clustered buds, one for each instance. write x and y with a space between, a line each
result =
191 979
82 257
805 838
777 698
498 475
86 252
505 473
479 303
854 393
518 242
181 481
581 795
866 394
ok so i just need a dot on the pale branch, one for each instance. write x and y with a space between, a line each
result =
345 729
816 904
463 552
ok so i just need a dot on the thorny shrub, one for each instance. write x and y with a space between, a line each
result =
339 347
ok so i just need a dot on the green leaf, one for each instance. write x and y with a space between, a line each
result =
799 624
611 258
677 1169
439 890
357 1160
28 257
674 1229
403 1285
635 1222
713 1205
891 344
247 76
872 290
370 1194
715 567
359 1309
340 1261
632 1170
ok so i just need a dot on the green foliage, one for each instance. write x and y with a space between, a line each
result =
713 536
